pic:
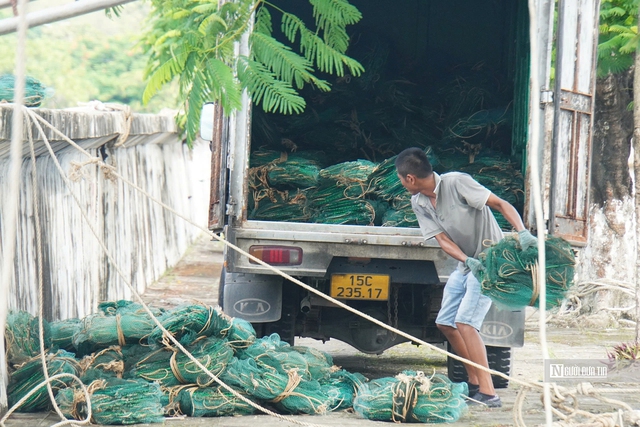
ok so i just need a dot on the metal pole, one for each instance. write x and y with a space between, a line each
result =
59 13
557 97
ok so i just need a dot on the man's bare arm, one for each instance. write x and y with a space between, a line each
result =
507 210
450 247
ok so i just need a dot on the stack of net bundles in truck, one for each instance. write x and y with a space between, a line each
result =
278 184
412 397
341 195
510 278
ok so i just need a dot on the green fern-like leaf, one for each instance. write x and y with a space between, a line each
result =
263 23
326 58
336 12
275 95
163 74
195 98
222 85
284 63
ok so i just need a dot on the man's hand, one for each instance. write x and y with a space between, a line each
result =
527 240
475 266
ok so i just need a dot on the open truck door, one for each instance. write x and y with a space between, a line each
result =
573 119
572 124
213 128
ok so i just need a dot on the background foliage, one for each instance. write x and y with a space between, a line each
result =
90 57
618 35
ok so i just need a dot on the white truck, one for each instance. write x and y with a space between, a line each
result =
392 273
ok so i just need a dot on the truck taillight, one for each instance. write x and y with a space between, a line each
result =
277 255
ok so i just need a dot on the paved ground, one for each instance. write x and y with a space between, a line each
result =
196 278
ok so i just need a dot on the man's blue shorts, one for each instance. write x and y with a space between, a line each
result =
462 301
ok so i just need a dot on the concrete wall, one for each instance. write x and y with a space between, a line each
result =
144 238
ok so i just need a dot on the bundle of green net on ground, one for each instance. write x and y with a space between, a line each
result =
511 276
412 397
144 377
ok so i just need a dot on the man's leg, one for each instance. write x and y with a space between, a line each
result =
454 291
477 353
473 308
456 339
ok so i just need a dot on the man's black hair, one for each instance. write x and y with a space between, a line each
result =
413 161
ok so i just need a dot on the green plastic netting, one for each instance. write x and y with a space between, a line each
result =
22 336
115 402
62 332
99 331
510 279
401 214
212 402
188 322
264 157
107 363
171 367
411 397
29 375
346 384
289 392
272 205
34 92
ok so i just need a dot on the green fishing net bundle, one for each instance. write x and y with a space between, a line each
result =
411 397
34 93
171 367
114 401
30 374
22 336
343 385
264 157
62 332
212 402
510 276
99 331
384 181
106 363
401 214
268 204
188 322
289 392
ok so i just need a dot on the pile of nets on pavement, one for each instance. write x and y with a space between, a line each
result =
135 374
511 276
412 397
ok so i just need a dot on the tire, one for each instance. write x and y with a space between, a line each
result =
499 360
286 326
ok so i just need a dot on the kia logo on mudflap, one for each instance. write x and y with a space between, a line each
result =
252 307
494 329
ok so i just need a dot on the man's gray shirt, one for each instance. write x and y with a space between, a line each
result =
461 213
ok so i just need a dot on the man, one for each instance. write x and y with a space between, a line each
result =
455 209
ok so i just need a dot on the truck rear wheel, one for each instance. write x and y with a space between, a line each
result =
286 326
499 360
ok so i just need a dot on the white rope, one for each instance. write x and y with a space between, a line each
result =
534 173
10 204
38 387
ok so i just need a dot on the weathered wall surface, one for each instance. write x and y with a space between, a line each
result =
143 237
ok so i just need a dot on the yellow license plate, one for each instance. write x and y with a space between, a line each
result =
360 286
